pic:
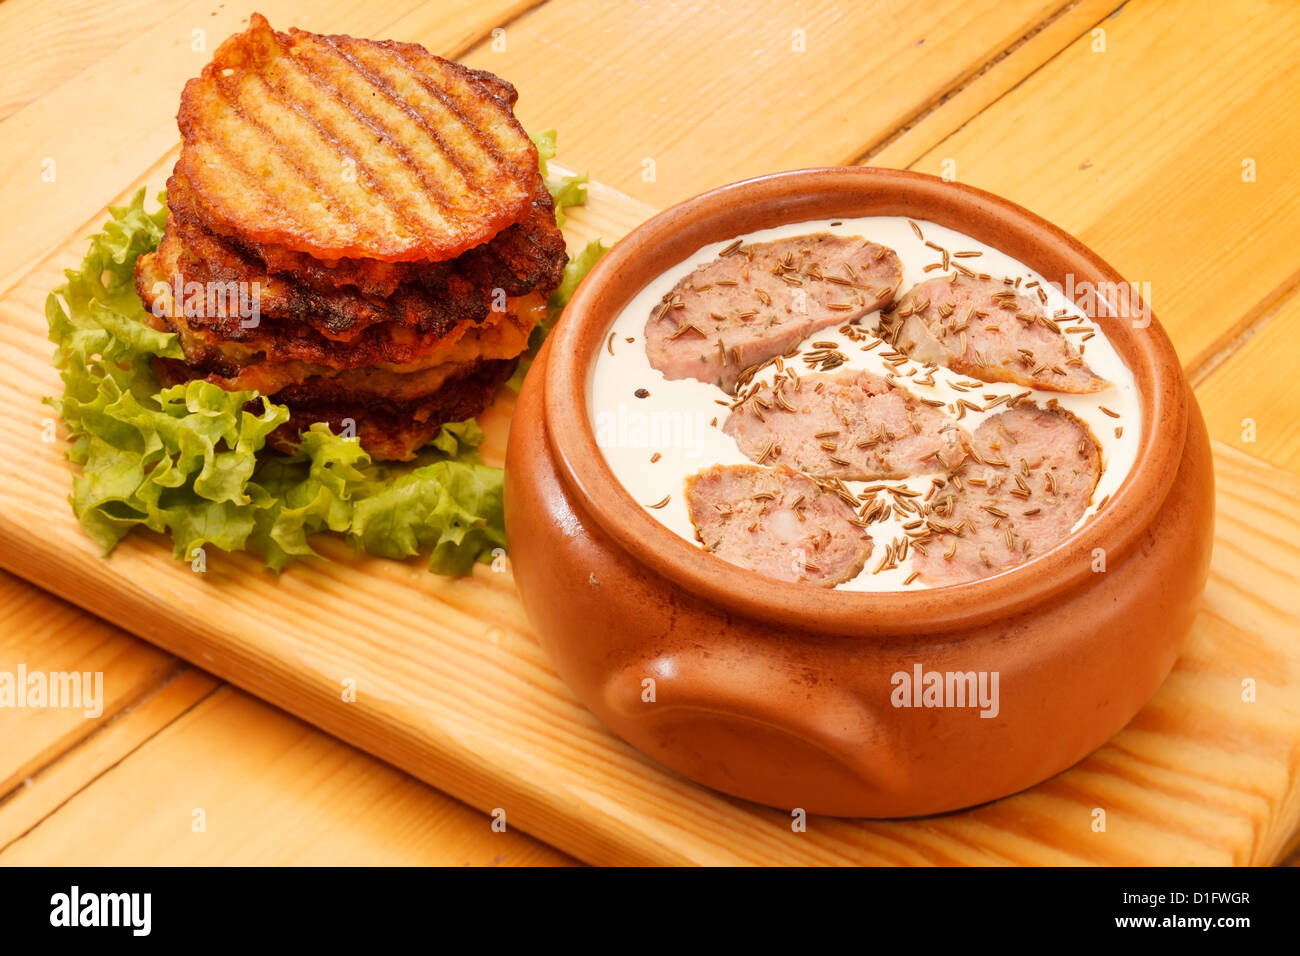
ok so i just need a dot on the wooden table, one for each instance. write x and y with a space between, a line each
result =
1161 133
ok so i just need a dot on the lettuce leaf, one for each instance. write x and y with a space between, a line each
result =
173 461
452 505
303 494
192 462
565 191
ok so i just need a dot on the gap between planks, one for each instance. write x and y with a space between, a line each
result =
132 727
997 77
1252 322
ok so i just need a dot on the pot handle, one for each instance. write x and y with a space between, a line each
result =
829 719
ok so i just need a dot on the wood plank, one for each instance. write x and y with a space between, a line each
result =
995 80
32 619
1250 399
287 795
132 668
43 634
42 44
717 92
451 833
1138 151
122 107
471 703
42 795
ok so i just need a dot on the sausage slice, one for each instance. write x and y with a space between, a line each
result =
761 300
777 522
848 424
1031 477
988 330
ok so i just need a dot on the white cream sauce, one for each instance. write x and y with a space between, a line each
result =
682 420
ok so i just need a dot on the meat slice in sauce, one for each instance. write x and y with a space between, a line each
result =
988 330
777 522
761 300
848 424
1030 478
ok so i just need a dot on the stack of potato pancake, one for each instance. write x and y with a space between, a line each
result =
356 229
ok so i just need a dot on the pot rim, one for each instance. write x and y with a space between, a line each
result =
801 195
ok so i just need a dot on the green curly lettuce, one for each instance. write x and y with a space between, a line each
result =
452 506
313 490
565 191
192 461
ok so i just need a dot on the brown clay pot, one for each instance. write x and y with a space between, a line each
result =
783 693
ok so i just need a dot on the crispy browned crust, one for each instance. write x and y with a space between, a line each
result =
345 148
225 345
527 256
379 296
394 431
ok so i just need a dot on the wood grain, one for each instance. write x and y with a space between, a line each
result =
452 686
43 44
42 634
287 795
1138 151
1249 399
718 92
42 794
999 77
65 50
441 26
1226 802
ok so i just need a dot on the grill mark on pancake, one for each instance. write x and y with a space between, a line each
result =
351 208
399 150
343 67
477 131
289 105
478 177
235 163
453 160
489 143
276 146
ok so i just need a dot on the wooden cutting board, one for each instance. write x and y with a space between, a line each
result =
452 687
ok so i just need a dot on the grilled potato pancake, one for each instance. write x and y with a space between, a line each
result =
357 230
338 147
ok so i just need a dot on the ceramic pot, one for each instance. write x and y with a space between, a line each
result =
799 697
